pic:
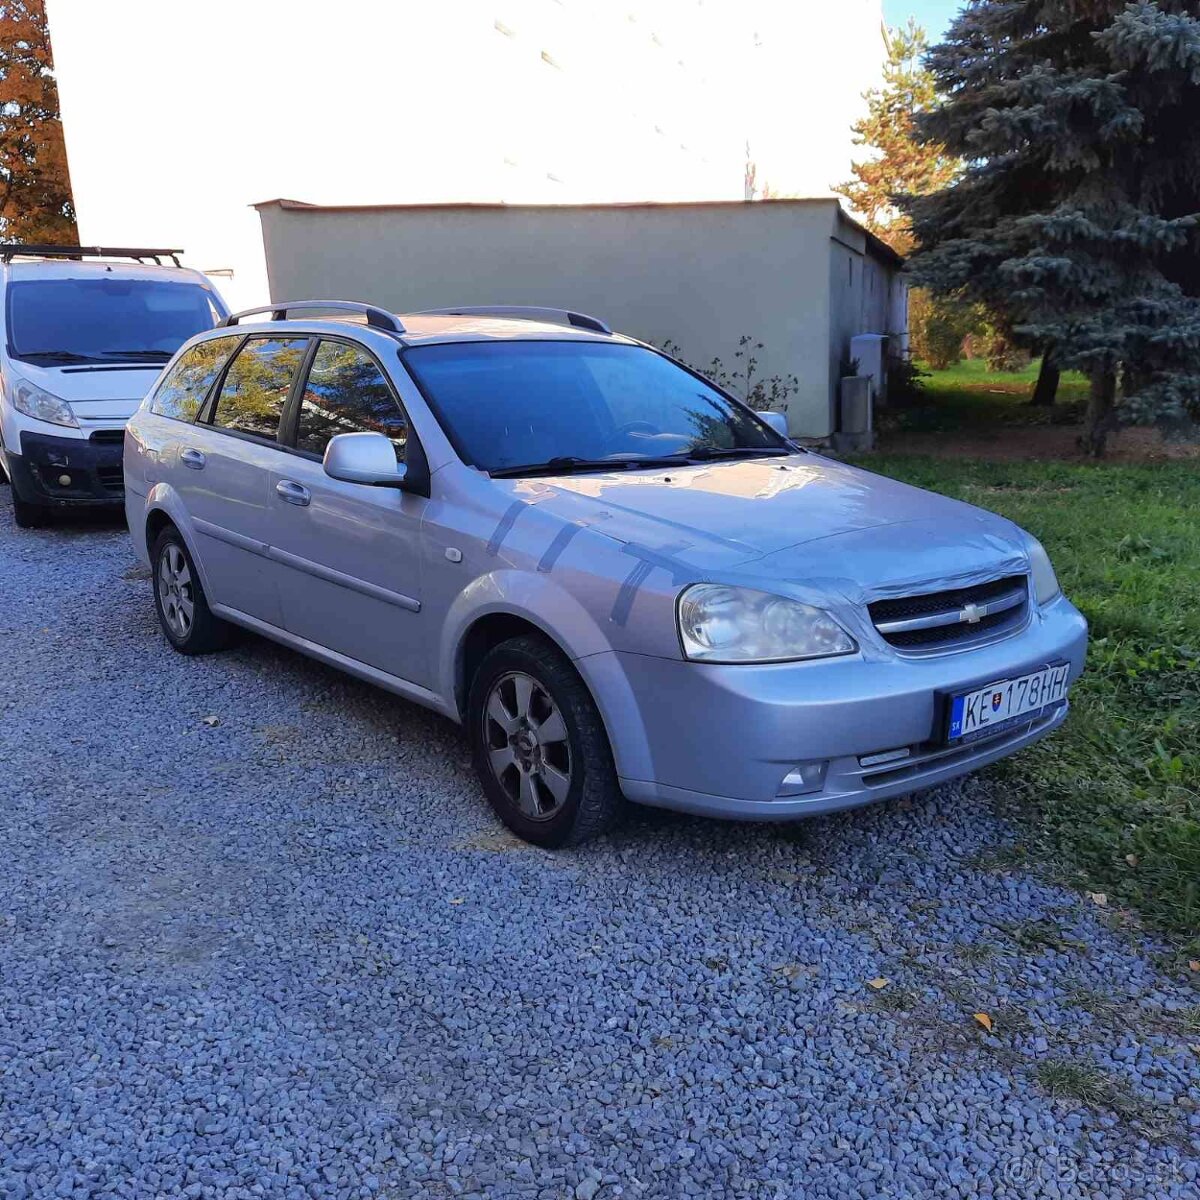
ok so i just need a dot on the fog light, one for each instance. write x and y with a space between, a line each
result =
64 481
802 779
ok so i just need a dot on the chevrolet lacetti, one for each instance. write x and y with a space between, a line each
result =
621 581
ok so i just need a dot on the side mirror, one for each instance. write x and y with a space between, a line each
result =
777 422
368 458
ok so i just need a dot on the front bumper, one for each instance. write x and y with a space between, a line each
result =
91 468
719 740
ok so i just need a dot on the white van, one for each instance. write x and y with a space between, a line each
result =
83 334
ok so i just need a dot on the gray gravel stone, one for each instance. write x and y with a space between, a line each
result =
230 965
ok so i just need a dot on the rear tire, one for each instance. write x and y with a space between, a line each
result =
539 746
29 516
187 621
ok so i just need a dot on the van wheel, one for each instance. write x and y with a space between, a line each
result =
183 611
29 516
539 746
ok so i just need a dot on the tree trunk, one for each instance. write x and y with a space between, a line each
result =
1046 389
1099 417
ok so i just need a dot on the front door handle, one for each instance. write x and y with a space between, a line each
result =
192 458
292 492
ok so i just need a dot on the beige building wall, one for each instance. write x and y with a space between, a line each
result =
700 275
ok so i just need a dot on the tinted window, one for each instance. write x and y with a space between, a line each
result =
105 319
185 385
346 393
256 385
523 402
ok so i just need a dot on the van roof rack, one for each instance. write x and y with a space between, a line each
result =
378 318
521 312
11 250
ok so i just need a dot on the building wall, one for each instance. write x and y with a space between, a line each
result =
179 115
866 295
699 275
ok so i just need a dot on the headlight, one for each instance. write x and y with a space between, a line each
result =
34 402
735 624
1045 582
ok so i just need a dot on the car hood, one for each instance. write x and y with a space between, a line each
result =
93 391
812 526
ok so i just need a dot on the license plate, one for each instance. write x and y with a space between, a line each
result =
990 709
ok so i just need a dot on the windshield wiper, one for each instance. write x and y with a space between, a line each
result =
703 453
53 356
155 355
568 464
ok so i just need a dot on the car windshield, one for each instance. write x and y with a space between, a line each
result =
105 319
570 404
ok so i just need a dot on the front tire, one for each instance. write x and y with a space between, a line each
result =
29 516
539 746
183 612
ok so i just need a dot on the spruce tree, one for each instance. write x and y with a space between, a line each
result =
1076 216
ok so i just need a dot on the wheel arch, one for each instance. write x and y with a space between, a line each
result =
164 508
482 636
602 674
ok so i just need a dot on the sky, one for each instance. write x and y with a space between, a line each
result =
934 15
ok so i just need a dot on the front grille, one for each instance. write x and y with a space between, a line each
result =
112 479
108 437
953 617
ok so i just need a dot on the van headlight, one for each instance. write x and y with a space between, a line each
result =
1045 582
41 405
718 623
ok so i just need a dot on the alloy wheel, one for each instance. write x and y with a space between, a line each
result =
528 745
175 592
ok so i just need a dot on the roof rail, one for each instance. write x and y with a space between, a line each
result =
376 317
11 250
521 312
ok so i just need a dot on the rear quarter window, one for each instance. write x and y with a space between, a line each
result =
183 389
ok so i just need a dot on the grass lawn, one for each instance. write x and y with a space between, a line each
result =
1114 796
968 395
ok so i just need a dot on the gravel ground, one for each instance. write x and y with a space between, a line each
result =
291 954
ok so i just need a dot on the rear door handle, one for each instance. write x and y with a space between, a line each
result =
292 492
192 458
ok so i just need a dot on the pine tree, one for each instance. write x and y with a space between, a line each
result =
35 187
1076 214
899 163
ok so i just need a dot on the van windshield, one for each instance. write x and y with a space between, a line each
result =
106 319
517 407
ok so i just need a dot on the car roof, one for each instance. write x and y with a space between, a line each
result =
423 328
57 268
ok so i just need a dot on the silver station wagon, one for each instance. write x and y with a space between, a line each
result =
619 579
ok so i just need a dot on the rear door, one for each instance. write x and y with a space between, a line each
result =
349 553
223 473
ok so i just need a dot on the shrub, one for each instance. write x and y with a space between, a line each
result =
937 327
768 393
905 383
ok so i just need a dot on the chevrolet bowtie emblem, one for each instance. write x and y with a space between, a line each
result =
972 614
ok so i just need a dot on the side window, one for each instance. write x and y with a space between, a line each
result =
182 391
256 385
347 393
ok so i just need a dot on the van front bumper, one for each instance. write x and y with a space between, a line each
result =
90 467
721 740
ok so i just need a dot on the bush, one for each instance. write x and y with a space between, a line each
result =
768 393
905 383
1001 353
937 327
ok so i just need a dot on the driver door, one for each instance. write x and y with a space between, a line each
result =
349 553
